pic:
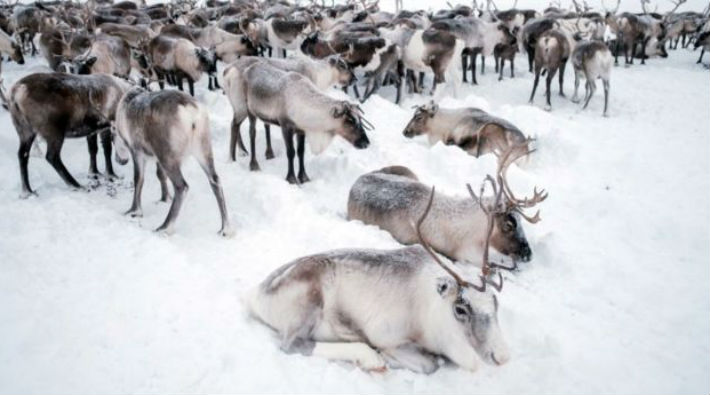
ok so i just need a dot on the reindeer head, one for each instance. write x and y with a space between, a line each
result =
208 59
351 124
474 308
16 54
419 124
83 65
505 212
345 74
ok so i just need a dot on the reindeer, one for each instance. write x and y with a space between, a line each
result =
503 52
473 130
9 47
291 101
180 58
108 55
479 37
551 53
71 106
391 197
410 315
167 126
593 60
702 41
324 74
278 33
434 50
134 35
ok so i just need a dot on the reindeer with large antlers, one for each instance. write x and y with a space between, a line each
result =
411 313
392 197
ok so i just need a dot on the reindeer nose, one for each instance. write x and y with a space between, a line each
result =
525 253
362 142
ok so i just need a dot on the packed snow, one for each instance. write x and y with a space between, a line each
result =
615 299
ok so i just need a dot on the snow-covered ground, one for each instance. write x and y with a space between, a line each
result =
615 300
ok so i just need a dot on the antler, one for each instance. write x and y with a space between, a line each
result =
460 281
618 2
513 153
677 4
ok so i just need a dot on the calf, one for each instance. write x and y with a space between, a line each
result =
71 106
169 126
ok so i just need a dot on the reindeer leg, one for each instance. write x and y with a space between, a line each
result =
512 67
138 177
606 96
617 45
269 151
700 59
537 80
54 147
301 148
106 146
206 161
236 138
483 64
575 97
172 169
410 357
531 57
23 154
399 89
496 59
592 88
164 192
216 82
474 56
209 83
287 132
357 92
502 64
253 164
421 80
359 353
191 86
643 50
548 82
562 76
464 64
92 142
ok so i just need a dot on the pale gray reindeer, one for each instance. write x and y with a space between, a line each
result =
332 71
411 313
391 198
107 54
58 105
471 129
291 101
9 47
168 126
592 59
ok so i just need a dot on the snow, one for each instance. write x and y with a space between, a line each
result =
615 300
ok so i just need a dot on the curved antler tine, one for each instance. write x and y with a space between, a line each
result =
504 267
498 287
461 282
482 287
533 220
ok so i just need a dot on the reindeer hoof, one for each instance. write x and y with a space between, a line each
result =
254 166
134 213
269 154
291 179
548 108
303 178
226 232
27 194
165 230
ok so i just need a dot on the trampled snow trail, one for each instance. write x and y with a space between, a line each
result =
615 300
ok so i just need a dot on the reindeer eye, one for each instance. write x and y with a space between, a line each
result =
460 311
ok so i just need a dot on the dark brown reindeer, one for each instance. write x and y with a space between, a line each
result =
551 53
71 106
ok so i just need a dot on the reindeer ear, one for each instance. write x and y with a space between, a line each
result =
90 61
332 61
446 287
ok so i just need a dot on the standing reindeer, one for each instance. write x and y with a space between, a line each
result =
71 106
409 315
167 125
551 53
593 60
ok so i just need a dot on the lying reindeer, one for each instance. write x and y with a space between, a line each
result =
593 60
324 75
167 125
410 314
291 101
71 106
473 130
391 197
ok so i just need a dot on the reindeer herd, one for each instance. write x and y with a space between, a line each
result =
109 65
